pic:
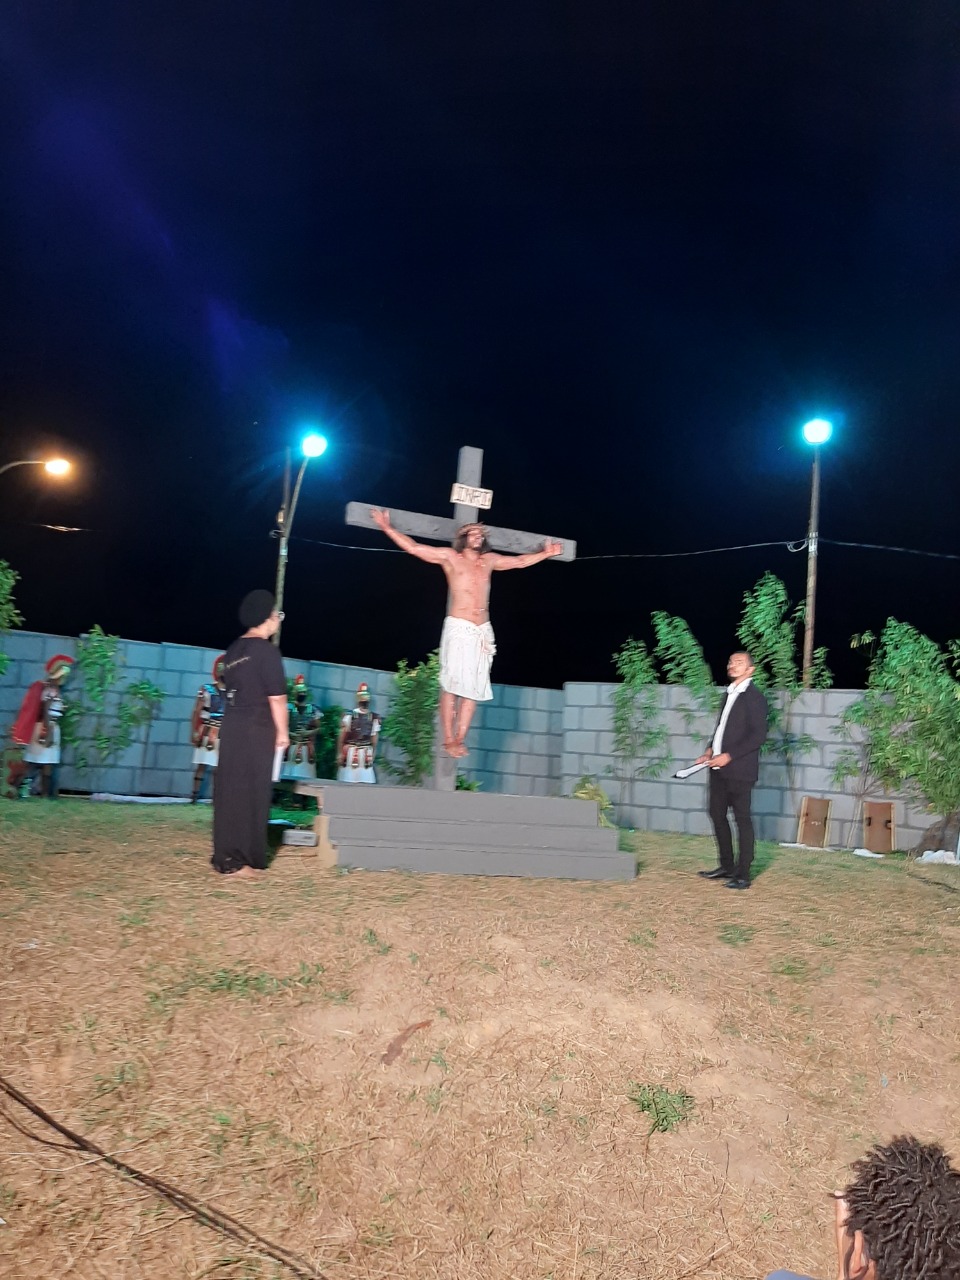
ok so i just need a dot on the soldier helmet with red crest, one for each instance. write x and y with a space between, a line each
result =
363 692
59 666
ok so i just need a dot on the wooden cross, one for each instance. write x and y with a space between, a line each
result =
443 529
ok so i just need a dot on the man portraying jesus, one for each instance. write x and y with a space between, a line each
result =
466 644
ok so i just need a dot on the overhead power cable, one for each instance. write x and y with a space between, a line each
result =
906 551
203 1213
619 555
793 546
707 551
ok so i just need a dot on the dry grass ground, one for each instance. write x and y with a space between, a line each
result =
231 1039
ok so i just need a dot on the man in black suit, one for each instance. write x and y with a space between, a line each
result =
734 756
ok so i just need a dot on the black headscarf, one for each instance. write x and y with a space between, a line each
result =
256 608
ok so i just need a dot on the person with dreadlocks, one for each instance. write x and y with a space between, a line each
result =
467 645
900 1217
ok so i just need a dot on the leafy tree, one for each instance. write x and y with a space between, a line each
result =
903 734
638 731
102 717
771 631
9 613
682 663
589 789
410 723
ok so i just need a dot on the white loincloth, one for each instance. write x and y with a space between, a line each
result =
466 656
356 769
305 770
38 753
210 758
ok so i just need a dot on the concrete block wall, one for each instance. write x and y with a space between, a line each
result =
517 738
668 804
525 742
163 765
516 744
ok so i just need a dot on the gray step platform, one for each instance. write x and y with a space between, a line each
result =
488 835
467 833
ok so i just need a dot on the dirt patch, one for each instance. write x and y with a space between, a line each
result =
232 1040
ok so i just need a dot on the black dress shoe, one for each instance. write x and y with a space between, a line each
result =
737 883
717 873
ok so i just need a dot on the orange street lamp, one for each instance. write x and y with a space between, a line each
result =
52 466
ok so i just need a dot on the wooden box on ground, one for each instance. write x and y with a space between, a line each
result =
814 825
879 826
318 855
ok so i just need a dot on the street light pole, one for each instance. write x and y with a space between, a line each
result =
815 433
312 446
53 466
813 538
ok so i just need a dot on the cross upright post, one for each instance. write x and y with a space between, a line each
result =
443 529
469 470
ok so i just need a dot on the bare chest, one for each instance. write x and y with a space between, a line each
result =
471 576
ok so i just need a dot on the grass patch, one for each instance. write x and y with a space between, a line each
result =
736 935
246 984
643 938
667 1109
371 939
125 1074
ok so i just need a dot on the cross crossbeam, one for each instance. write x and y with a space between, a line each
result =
443 529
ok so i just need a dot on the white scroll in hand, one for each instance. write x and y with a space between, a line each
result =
694 768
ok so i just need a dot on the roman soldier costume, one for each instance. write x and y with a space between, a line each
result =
205 727
357 745
300 757
37 729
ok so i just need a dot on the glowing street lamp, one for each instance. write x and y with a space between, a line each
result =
52 466
816 433
311 446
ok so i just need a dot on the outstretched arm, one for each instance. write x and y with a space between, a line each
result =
524 562
432 555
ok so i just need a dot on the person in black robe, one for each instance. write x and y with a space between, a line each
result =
254 727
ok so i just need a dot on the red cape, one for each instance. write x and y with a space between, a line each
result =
26 721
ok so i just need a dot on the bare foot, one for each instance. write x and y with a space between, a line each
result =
244 873
450 748
459 750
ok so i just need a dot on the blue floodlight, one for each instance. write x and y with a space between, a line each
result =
313 445
817 431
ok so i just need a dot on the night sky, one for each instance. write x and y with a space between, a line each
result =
625 248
